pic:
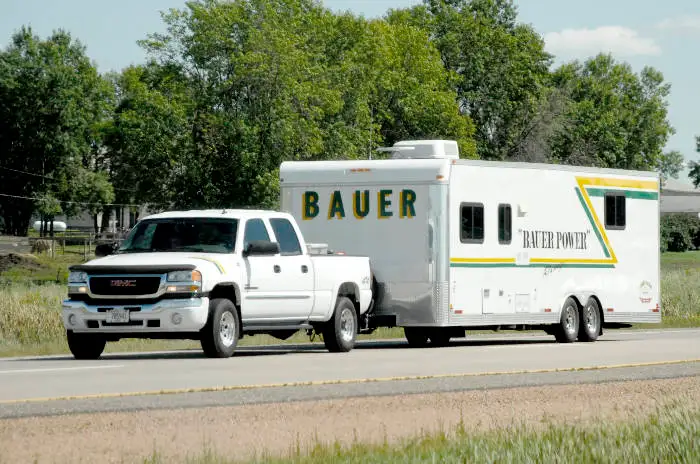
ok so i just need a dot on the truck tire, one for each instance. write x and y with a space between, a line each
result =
85 346
590 321
568 328
340 333
220 335
417 337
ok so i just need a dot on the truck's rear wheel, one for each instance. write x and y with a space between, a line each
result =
340 333
568 328
590 321
417 337
85 346
219 336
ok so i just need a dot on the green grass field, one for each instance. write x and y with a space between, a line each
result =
31 295
670 435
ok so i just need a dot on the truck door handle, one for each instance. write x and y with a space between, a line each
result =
304 268
277 268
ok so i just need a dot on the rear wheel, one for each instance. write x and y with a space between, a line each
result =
416 336
220 335
340 333
568 328
86 346
590 321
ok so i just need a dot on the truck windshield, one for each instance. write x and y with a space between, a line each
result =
207 235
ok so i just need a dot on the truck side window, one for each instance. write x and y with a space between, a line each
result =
254 230
472 223
505 224
615 214
286 236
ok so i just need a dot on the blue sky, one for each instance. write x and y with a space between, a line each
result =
664 34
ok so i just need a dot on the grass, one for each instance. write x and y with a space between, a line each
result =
30 302
671 434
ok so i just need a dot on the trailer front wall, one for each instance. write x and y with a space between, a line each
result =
559 244
392 211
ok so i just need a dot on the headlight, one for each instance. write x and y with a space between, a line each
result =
184 276
77 277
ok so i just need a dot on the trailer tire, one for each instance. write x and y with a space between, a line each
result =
417 337
220 335
590 321
568 328
86 346
340 333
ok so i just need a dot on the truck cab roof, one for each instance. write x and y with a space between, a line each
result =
220 213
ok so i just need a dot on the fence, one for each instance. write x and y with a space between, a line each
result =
82 245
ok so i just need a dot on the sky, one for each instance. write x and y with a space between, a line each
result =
665 35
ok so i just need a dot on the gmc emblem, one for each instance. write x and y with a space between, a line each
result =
122 283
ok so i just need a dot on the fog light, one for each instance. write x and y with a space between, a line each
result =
176 318
72 319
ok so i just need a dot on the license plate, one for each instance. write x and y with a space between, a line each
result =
116 316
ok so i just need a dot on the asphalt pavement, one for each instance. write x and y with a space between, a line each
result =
60 384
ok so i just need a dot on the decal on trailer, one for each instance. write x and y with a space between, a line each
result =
586 188
337 206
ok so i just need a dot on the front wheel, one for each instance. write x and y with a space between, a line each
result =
219 336
568 328
85 346
340 333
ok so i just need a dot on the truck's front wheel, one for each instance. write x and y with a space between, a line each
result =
340 333
85 346
220 336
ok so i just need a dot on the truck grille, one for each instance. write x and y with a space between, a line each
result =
124 285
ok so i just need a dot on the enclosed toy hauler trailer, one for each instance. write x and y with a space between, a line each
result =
464 244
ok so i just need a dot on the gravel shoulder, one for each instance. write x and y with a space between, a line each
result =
241 432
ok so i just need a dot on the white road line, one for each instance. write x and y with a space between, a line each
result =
58 369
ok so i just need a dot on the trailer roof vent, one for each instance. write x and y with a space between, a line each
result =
423 149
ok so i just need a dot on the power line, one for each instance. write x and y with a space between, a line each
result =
80 202
51 178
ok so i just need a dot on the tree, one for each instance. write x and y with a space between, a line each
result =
501 67
616 118
242 86
52 103
670 165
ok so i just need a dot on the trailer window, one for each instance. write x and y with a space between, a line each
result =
472 223
615 211
505 224
286 236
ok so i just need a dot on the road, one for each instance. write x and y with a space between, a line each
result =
61 384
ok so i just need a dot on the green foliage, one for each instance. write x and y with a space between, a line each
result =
232 89
52 105
616 118
680 232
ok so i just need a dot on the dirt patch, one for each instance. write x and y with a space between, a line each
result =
240 432
12 260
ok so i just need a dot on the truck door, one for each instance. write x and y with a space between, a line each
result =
260 289
295 279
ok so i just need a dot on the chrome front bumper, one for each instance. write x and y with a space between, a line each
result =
169 315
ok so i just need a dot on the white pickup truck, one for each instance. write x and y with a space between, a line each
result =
215 276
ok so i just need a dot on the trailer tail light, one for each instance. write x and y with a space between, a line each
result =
657 309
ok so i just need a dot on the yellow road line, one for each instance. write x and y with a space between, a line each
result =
344 381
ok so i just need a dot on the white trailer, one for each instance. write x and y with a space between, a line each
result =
457 244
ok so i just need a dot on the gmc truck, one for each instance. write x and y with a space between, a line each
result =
215 276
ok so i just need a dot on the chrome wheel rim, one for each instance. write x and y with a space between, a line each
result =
347 324
227 329
591 319
570 320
